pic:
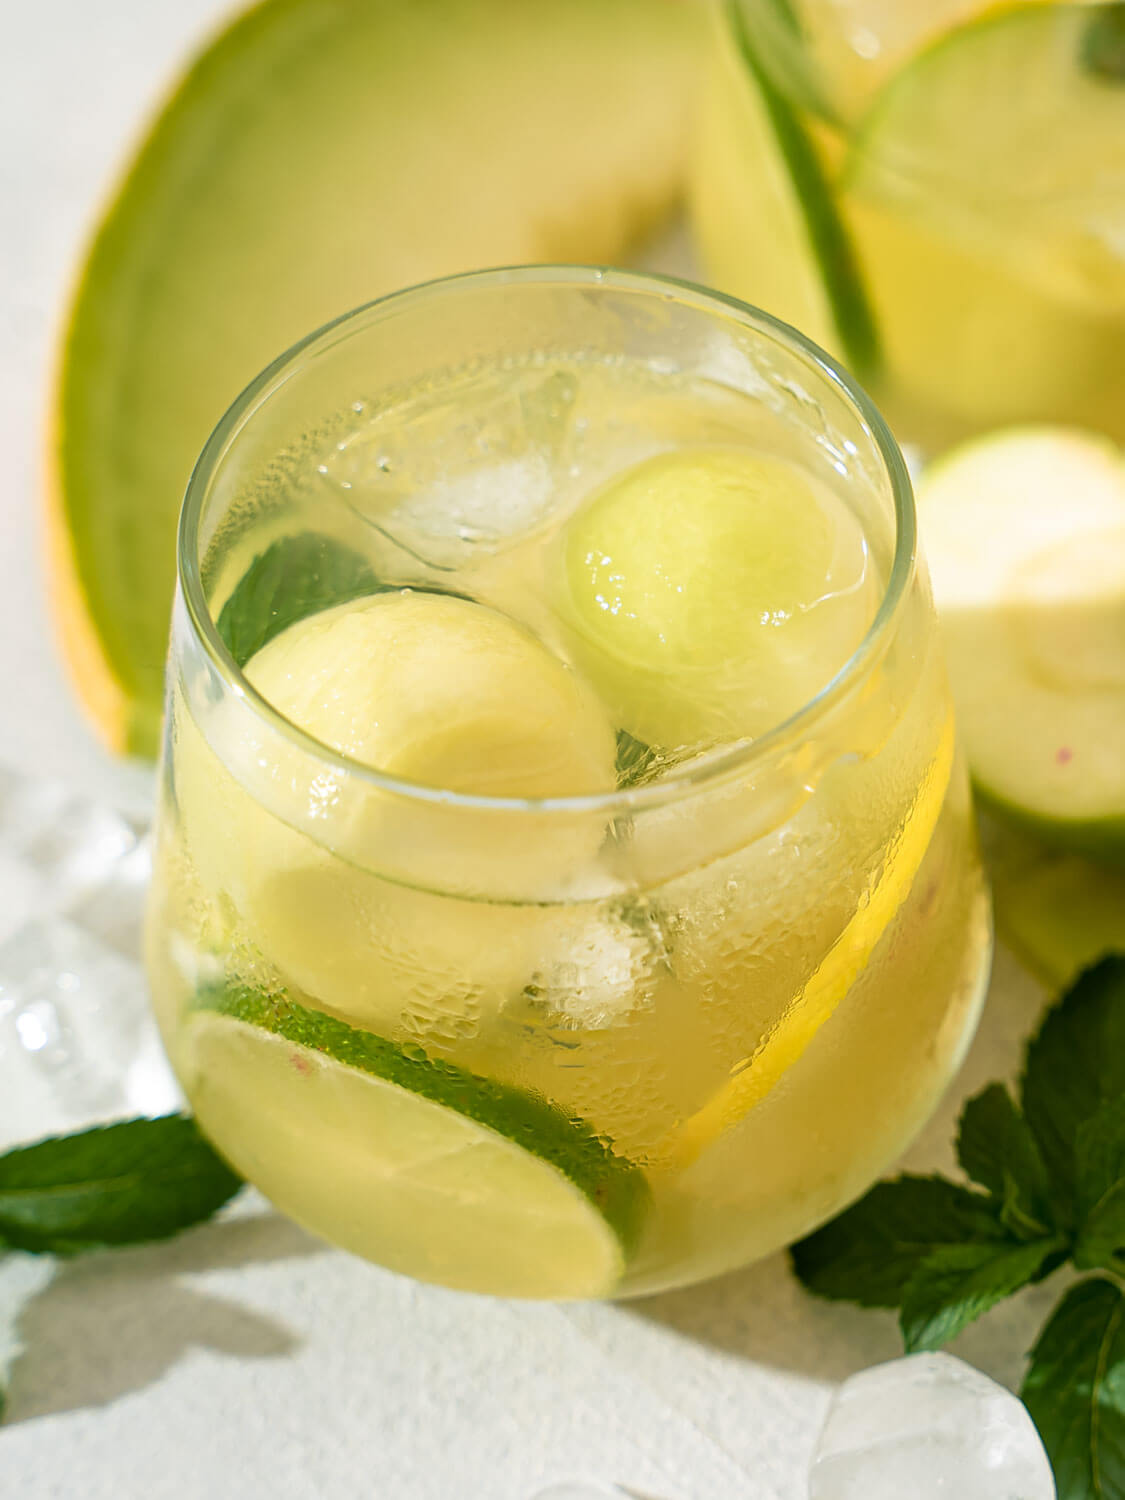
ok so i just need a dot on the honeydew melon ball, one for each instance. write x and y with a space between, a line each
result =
432 689
710 593
440 690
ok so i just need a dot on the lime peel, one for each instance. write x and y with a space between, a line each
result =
560 1162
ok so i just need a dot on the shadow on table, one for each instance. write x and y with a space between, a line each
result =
110 1323
762 1315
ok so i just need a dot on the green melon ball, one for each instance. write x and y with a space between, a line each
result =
442 691
434 689
709 594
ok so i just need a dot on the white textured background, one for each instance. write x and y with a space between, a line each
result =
246 1360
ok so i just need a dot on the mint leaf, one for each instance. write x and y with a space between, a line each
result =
997 1149
1075 1391
114 1185
869 1254
955 1284
1076 1061
1100 1189
294 577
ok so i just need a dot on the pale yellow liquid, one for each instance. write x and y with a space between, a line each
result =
633 1011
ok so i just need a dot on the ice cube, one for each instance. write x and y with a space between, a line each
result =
594 970
931 1427
445 475
77 1043
57 849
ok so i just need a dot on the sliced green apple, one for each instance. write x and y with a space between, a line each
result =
314 157
1025 535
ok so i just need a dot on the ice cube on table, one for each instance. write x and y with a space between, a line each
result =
57 849
77 1041
932 1428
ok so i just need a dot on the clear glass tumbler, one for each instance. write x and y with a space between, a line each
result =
496 946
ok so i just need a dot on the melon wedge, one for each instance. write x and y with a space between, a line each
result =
314 157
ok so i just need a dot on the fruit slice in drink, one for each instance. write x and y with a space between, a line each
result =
420 1165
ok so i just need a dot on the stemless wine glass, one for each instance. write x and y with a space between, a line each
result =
488 952
935 189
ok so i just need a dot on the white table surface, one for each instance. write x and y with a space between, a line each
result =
246 1359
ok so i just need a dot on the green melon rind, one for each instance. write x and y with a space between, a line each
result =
311 158
828 238
616 1188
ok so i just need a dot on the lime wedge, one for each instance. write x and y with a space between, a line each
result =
767 224
841 966
416 1164
1025 535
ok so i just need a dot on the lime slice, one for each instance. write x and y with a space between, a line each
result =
416 1164
1012 104
767 224
859 44
313 157
1025 535
985 186
830 982
1058 912
1018 116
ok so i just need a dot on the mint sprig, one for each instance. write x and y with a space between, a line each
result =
114 1185
1047 1185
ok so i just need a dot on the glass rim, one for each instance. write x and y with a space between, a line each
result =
696 774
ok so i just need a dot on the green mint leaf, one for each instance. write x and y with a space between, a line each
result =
294 577
1076 1061
997 1149
114 1185
1103 43
955 1284
1075 1391
1100 1189
869 1254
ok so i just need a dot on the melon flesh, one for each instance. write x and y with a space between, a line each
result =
316 156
